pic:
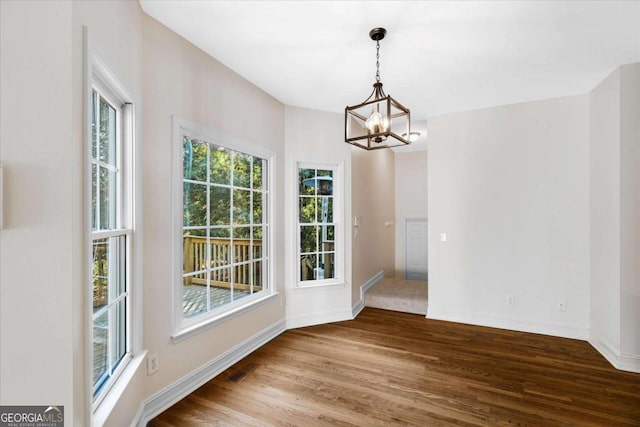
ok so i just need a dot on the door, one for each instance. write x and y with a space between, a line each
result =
416 249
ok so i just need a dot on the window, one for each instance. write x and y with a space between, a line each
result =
318 225
224 226
110 235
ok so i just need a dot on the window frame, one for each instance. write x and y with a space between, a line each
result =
338 223
101 80
185 327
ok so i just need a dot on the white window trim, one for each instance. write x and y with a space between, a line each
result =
184 328
338 221
98 74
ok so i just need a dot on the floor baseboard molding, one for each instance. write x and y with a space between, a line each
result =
364 288
318 318
178 390
515 324
620 361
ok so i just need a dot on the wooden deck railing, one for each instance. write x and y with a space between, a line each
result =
223 252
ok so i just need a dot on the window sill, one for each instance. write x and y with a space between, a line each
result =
210 322
104 409
318 285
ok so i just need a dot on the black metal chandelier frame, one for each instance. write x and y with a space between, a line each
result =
393 120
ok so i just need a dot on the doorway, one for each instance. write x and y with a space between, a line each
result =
416 249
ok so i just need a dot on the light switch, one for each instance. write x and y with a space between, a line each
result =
443 237
356 221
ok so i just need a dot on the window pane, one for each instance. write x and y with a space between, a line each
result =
307 209
325 209
257 276
236 201
100 340
307 182
119 331
220 251
100 273
241 206
241 277
195 160
327 263
194 297
324 185
107 198
220 206
220 287
258 170
220 165
194 254
195 205
241 170
256 243
119 259
308 239
107 146
308 267
94 197
257 208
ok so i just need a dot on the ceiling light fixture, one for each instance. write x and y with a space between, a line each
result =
413 136
379 121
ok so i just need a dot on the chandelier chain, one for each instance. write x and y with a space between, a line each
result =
377 61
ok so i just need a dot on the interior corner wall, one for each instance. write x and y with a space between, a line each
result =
630 214
373 201
510 188
615 217
316 137
411 198
41 164
604 211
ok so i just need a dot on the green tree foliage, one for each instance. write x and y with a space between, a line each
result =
233 179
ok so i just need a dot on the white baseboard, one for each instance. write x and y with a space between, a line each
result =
176 391
620 361
515 324
318 318
364 288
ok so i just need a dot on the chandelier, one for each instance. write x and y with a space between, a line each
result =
379 121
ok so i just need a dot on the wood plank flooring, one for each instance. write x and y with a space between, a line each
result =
389 368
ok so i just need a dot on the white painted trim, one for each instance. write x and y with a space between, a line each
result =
318 318
223 317
511 323
620 361
96 72
168 396
364 288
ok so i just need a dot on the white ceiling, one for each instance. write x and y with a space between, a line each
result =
438 56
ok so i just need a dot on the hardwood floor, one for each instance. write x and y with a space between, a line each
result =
388 368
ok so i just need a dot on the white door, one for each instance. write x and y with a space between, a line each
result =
416 249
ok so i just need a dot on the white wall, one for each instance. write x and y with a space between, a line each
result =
604 208
41 248
318 137
411 198
615 217
373 201
180 79
509 186
630 213
38 274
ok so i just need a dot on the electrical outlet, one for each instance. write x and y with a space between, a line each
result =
152 364
561 305
509 300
